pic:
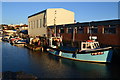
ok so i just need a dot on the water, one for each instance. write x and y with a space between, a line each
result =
44 65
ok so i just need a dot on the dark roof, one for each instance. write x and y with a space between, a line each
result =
106 22
93 23
37 13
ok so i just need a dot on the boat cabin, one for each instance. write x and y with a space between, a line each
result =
90 44
54 42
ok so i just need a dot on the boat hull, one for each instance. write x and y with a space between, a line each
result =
106 56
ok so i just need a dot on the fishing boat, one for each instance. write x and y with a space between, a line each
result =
90 51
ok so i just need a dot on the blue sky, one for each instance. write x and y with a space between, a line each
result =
17 12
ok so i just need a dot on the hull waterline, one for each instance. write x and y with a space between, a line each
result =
87 57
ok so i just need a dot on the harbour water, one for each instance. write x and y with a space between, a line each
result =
44 65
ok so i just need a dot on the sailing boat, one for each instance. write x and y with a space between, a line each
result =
90 50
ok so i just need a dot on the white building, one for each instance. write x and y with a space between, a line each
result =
38 22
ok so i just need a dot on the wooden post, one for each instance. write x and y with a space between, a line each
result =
72 43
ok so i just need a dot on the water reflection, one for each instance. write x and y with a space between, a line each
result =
53 66
45 65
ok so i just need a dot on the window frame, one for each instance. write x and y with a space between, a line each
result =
111 29
81 29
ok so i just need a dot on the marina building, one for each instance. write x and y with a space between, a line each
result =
39 22
107 32
61 22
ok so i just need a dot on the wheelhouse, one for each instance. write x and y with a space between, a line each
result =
89 45
55 41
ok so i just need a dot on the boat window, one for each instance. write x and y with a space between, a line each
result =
54 43
84 46
88 46
96 45
93 46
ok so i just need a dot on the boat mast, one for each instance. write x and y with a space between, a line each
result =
90 37
55 24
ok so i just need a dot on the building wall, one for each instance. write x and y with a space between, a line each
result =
109 39
36 25
103 38
60 15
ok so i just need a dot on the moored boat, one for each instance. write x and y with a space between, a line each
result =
19 42
16 41
34 47
90 51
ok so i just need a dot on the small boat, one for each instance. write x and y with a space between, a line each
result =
34 47
90 51
20 42
0 38
16 41
5 38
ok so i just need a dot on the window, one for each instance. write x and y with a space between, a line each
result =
29 24
84 45
43 22
40 22
88 46
34 23
80 30
110 30
96 45
61 30
93 29
37 23
70 30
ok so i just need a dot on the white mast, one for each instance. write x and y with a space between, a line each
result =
55 24
90 37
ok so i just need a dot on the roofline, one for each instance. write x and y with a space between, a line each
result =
92 23
37 13
46 10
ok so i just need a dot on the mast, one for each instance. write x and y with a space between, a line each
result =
55 23
90 37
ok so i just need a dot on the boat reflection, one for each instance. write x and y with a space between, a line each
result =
53 66
45 65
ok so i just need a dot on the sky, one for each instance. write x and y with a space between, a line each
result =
18 12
